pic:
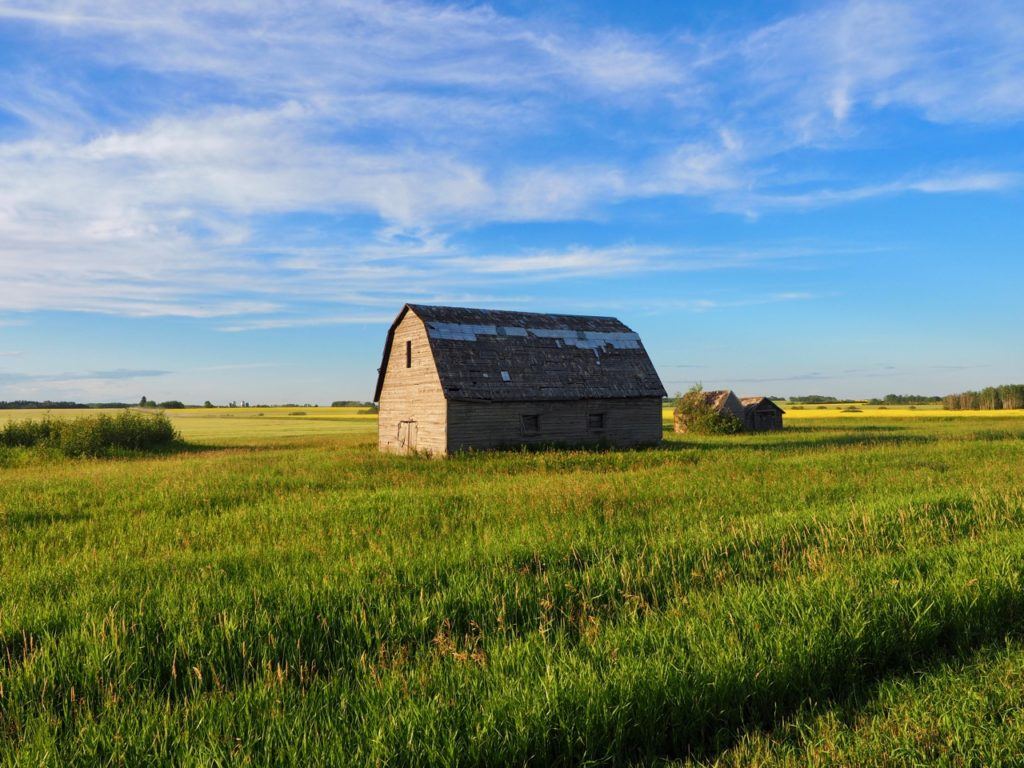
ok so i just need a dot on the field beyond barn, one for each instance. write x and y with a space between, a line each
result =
849 591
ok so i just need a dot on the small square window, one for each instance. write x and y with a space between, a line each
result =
595 421
408 354
530 424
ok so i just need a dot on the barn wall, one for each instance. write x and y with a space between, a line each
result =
479 425
412 394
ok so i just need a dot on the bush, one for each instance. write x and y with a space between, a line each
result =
698 416
172 404
92 435
26 434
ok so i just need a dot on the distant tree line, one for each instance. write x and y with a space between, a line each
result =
146 403
815 399
905 400
12 404
54 404
1007 397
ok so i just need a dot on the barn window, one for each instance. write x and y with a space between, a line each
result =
595 421
530 424
408 354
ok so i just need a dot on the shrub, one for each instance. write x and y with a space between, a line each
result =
92 435
697 415
29 433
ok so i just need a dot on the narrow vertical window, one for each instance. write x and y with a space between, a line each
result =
408 354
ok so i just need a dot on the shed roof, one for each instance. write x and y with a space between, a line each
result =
717 398
758 402
484 354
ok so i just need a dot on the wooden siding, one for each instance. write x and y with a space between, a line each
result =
627 422
411 395
765 418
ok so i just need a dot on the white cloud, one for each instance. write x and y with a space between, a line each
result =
428 120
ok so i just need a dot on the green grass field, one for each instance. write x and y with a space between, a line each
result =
850 591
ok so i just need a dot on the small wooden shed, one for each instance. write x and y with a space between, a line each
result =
721 401
453 379
761 414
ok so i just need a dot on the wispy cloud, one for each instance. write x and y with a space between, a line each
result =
119 374
407 124
266 324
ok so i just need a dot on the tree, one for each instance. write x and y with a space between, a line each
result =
143 402
988 399
207 404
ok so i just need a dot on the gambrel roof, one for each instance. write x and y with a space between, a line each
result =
484 354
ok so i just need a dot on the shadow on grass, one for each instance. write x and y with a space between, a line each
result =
808 439
22 520
848 707
796 439
36 455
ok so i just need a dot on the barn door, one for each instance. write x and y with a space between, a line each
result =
407 435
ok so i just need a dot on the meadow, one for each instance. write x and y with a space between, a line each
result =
849 591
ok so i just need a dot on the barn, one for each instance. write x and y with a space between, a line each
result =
453 379
761 414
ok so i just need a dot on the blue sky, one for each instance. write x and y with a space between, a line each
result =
230 201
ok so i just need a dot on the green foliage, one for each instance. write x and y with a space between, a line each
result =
905 400
700 418
814 399
173 404
91 435
34 404
1006 397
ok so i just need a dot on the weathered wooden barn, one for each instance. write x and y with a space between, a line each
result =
761 414
453 379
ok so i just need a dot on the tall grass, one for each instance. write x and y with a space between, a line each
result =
320 604
91 435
